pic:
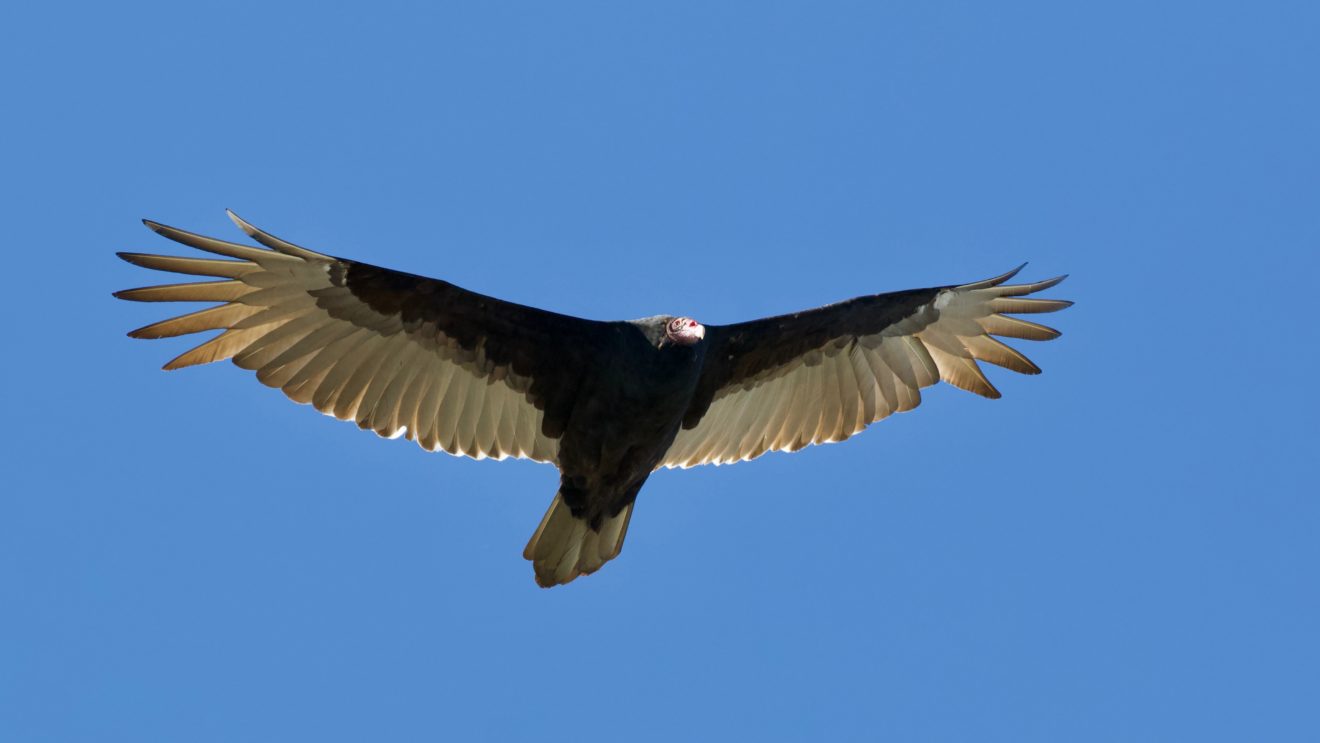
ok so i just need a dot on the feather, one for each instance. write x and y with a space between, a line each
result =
485 439
449 403
277 295
831 417
388 366
219 348
203 291
506 432
465 439
1022 306
276 341
410 406
1012 327
214 318
269 314
384 414
850 396
1017 290
355 351
923 366
432 412
273 242
996 281
962 373
315 342
322 360
936 338
210 244
884 391
985 348
192 266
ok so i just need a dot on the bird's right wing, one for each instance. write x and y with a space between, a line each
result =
396 353
781 383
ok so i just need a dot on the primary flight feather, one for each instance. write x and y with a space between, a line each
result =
607 403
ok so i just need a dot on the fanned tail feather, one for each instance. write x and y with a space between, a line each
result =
566 546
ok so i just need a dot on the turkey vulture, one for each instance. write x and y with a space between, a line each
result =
607 403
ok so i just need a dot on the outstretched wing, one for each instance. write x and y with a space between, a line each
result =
396 353
781 383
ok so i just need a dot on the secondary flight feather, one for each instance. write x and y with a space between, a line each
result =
607 403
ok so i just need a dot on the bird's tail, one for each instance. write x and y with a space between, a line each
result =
566 546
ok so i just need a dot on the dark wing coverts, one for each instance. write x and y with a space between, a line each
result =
396 353
781 383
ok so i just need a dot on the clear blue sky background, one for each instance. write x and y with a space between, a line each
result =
1122 549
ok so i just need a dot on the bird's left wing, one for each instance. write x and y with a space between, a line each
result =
396 353
781 383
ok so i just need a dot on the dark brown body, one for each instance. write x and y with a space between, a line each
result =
627 412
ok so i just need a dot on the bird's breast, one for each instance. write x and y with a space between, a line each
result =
629 411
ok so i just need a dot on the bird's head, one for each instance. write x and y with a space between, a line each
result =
684 331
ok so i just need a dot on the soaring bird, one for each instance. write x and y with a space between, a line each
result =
607 403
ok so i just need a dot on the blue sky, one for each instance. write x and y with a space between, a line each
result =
1123 548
